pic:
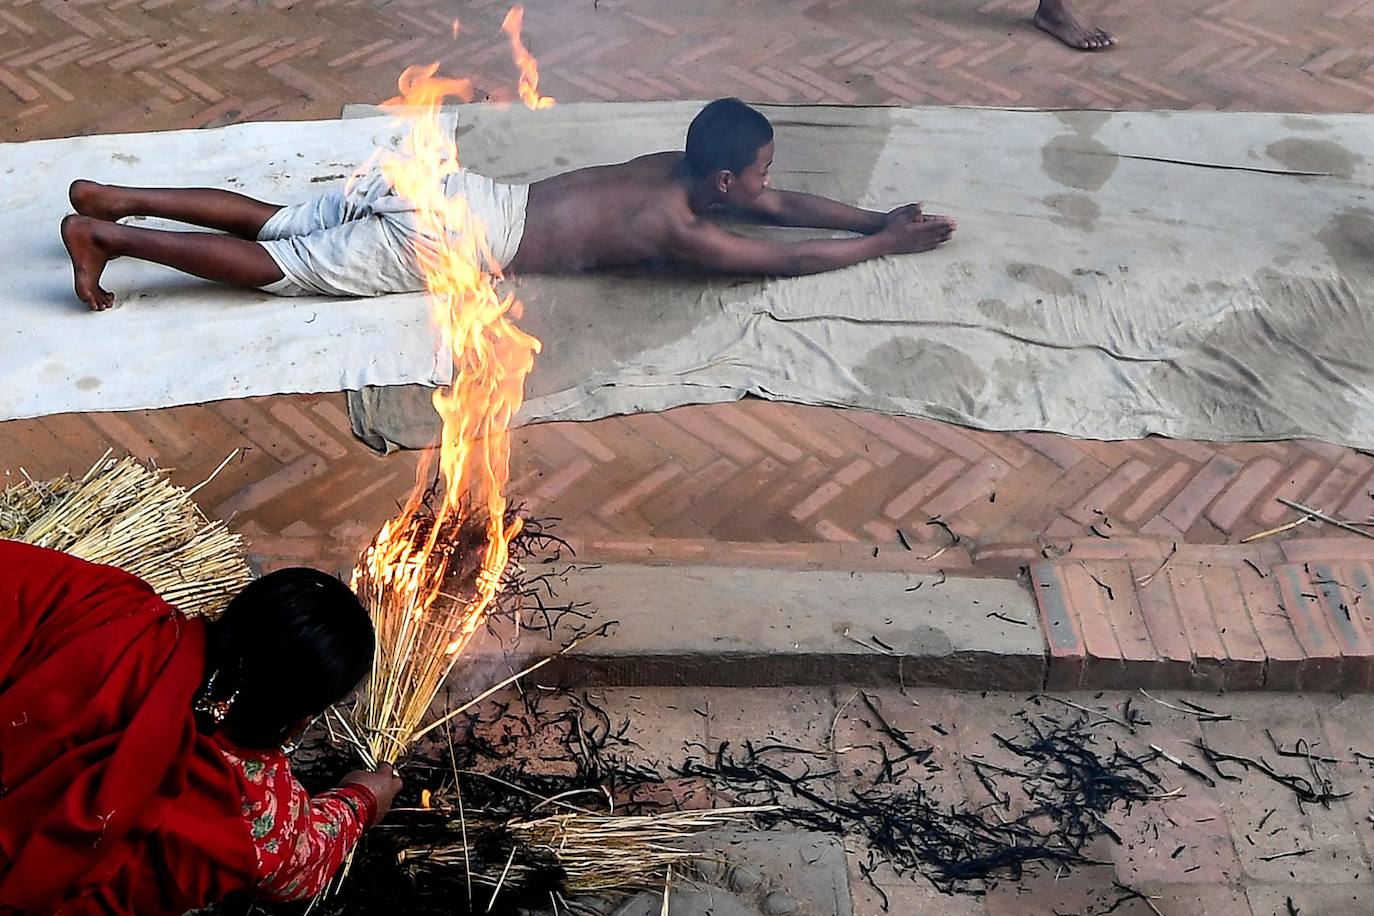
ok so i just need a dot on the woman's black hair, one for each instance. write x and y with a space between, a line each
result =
725 135
288 647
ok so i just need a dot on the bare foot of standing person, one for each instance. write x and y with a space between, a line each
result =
1062 20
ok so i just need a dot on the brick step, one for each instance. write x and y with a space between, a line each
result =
1218 618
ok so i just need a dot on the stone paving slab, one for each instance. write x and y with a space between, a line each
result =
758 626
1306 900
746 873
1201 850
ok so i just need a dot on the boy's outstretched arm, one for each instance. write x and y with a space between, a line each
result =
795 208
704 244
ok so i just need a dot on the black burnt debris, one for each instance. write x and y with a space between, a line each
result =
1047 800
506 760
1313 788
1065 784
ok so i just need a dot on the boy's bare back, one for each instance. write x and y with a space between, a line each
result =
650 209
603 216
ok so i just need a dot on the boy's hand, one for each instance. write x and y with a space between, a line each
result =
902 213
383 784
911 232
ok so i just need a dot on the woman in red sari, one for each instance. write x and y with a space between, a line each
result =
141 762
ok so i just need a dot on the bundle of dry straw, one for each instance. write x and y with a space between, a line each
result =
592 853
419 579
124 514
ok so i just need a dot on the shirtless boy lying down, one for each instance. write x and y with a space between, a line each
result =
362 241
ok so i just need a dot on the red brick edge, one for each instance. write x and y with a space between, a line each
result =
1291 616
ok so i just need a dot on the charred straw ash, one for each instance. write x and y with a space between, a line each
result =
542 744
526 599
505 760
1314 788
1047 805
1066 783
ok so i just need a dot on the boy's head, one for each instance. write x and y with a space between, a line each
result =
730 147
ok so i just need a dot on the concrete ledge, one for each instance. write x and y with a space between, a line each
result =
733 626
1120 613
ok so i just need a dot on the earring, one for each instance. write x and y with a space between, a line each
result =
215 710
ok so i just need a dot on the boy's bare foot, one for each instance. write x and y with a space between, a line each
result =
1062 20
88 261
91 198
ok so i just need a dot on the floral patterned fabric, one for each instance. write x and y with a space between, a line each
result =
301 841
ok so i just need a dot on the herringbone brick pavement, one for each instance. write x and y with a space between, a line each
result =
750 472
87 66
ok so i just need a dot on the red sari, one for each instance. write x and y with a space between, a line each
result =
110 801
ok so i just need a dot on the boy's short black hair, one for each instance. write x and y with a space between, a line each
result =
288 646
725 135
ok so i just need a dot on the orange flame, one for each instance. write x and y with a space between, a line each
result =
491 356
529 70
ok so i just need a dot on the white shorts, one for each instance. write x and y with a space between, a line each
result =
362 240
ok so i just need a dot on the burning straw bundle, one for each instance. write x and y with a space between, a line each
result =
124 514
427 582
433 573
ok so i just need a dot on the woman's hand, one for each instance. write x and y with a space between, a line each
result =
383 784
